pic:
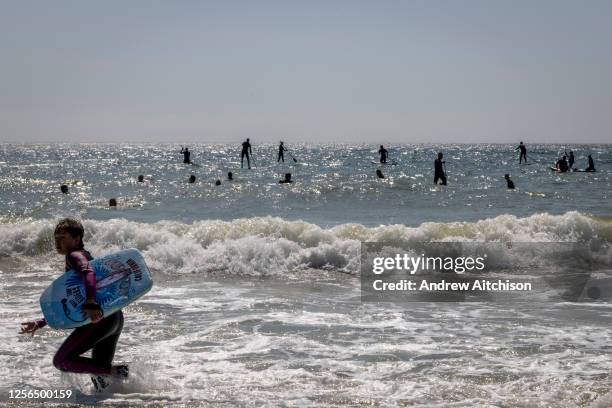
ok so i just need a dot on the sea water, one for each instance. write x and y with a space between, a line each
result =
257 295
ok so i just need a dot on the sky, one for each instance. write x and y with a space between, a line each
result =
306 71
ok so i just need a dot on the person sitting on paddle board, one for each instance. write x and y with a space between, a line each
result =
591 164
562 165
102 334
384 154
523 153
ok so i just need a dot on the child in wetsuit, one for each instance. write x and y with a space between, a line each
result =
101 335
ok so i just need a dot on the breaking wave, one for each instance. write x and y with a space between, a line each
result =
269 246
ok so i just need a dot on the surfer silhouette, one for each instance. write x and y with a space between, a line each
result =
523 152
562 165
246 151
186 155
384 154
439 173
281 152
591 164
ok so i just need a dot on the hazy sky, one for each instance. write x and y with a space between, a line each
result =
320 71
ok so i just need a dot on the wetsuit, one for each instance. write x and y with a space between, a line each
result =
186 156
281 153
562 166
510 184
591 165
523 154
383 155
246 149
439 174
571 161
99 337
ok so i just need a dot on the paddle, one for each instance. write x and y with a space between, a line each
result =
290 155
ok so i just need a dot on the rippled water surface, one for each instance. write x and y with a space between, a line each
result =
257 293
333 184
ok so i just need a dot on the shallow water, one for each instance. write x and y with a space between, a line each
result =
257 295
261 342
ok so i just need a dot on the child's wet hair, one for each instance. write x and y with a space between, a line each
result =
71 226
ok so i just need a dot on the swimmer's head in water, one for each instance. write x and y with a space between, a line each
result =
218 183
380 174
230 175
287 179
112 202
68 235
192 179
506 176
64 188
140 178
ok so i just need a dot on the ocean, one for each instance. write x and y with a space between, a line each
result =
257 296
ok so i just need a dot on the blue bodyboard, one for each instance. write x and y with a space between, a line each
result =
121 278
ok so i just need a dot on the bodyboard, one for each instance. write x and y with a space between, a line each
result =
121 278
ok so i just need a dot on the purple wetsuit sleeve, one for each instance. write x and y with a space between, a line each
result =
78 261
41 323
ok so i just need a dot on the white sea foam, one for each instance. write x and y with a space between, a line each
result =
268 246
198 341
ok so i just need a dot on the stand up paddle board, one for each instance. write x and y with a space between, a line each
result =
121 278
